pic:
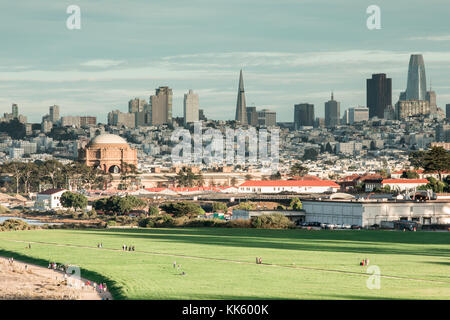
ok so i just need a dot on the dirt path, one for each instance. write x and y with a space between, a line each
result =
24 281
362 273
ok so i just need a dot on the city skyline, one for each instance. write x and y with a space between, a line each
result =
81 70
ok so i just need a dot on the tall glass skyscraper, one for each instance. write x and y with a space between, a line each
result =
416 88
241 108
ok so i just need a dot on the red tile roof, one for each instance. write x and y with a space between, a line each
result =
290 183
385 181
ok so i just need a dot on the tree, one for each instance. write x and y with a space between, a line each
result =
73 200
153 210
298 170
247 205
310 154
296 204
275 176
184 208
220 207
410 175
437 159
233 181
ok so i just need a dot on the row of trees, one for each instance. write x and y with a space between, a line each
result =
28 176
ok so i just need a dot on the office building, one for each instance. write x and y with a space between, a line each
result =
161 106
190 107
416 87
303 115
241 108
332 112
358 114
379 94
54 113
267 118
137 105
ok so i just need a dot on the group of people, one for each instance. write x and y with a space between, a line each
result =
55 266
178 268
127 248
258 260
101 288
100 245
11 261
365 262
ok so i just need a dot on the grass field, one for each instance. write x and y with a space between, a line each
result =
220 263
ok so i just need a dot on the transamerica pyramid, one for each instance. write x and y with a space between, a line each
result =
241 108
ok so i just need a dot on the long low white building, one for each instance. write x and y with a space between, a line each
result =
367 213
297 186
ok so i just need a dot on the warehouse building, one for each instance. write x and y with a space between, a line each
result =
366 213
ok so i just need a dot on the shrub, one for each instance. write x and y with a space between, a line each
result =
153 210
247 206
239 223
272 221
183 208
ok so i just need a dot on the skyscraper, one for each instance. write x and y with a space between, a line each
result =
379 94
137 105
303 115
190 107
54 113
332 112
161 106
416 88
241 109
357 114
252 116
15 111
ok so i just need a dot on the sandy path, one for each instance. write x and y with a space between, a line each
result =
22 281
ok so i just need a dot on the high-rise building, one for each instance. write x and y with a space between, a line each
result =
379 94
161 106
416 88
443 133
86 121
54 113
447 111
332 112
241 109
267 118
15 111
201 115
119 119
303 115
357 114
409 108
190 107
431 98
137 105
252 116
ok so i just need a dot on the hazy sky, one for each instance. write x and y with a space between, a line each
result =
291 51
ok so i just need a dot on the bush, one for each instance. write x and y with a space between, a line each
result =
93 214
247 206
239 223
184 208
272 221
153 210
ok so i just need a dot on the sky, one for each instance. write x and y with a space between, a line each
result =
291 51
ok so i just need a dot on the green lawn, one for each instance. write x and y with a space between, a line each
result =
220 263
